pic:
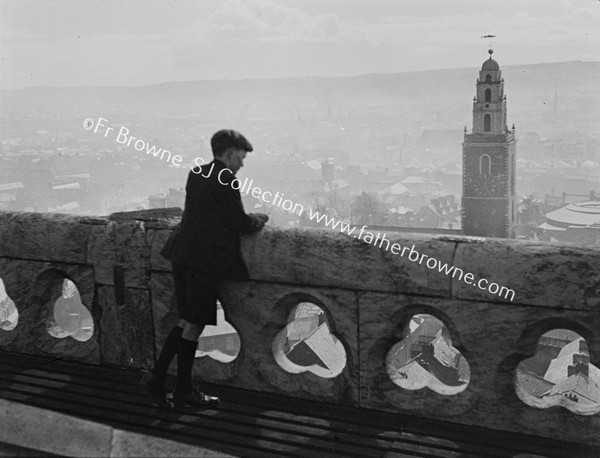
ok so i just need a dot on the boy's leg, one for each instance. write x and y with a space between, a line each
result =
167 353
201 309
186 354
154 381
185 394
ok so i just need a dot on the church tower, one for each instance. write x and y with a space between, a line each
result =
489 161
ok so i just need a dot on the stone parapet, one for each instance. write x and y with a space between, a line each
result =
368 294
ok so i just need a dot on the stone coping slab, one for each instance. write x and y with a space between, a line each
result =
541 274
65 435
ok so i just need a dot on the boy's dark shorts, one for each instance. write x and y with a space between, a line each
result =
196 294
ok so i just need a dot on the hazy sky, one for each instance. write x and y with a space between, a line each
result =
134 43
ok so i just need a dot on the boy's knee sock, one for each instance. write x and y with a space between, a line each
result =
186 354
168 352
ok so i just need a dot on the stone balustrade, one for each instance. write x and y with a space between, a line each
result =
368 294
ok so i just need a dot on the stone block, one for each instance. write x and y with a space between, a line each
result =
120 244
540 274
126 331
52 432
14 451
103 252
494 338
34 287
43 236
328 258
126 444
156 241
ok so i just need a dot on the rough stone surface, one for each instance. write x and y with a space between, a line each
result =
43 236
494 338
120 244
126 444
156 241
328 258
52 432
102 252
126 331
14 451
541 274
164 309
34 287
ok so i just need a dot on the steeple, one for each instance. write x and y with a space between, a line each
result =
489 161
489 106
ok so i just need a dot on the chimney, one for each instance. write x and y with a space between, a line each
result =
327 171
579 358
580 366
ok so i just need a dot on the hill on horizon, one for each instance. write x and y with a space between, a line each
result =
530 90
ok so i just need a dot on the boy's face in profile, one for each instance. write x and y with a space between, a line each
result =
235 158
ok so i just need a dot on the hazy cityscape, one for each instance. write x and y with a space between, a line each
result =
381 150
347 117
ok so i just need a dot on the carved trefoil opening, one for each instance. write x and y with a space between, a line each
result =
307 343
426 358
220 342
70 318
9 315
560 374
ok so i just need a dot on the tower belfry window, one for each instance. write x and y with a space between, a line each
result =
487 122
488 95
488 78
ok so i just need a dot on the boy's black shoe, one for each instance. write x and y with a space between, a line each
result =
155 389
194 399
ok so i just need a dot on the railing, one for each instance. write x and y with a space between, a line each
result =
369 298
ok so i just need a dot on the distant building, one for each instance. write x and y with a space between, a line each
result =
425 356
320 348
221 341
578 222
327 170
560 372
573 376
489 161
173 198
442 213
309 342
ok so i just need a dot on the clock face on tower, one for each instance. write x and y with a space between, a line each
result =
484 185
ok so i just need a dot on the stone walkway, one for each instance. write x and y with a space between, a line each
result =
74 409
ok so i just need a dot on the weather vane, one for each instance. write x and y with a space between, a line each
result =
490 37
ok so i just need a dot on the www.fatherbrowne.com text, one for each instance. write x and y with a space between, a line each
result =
378 240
